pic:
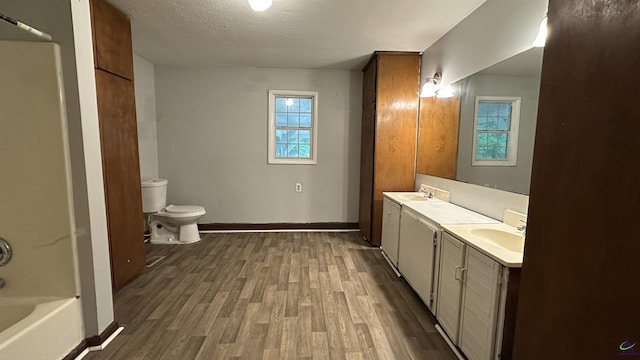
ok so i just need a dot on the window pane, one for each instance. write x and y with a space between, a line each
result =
292 120
305 120
281 136
481 152
293 105
502 140
293 136
292 151
492 123
483 109
305 105
281 150
501 153
505 110
281 119
504 123
281 104
305 151
493 109
482 139
482 123
305 137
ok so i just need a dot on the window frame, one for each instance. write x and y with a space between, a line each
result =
512 144
272 159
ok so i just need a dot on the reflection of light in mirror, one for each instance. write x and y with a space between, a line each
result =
403 105
289 102
428 90
260 5
446 92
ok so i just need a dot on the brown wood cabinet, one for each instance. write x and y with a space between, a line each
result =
119 141
389 118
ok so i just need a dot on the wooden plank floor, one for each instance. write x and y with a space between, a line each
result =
272 296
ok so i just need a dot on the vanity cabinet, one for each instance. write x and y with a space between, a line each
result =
388 142
416 258
476 301
391 230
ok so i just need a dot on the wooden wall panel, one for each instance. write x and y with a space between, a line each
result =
366 169
438 136
119 142
579 296
112 39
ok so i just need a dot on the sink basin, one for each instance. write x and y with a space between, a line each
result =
508 240
412 197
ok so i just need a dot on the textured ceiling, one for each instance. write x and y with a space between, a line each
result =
338 34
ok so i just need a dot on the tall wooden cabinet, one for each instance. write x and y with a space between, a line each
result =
119 140
389 118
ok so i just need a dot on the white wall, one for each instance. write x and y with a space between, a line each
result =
496 31
146 117
69 22
212 144
511 178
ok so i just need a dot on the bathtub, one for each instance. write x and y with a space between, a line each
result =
39 328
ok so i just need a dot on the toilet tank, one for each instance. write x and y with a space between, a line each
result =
154 195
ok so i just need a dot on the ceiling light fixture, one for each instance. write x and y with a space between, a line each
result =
260 5
430 86
541 39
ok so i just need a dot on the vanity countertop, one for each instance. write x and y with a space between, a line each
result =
404 197
500 242
443 212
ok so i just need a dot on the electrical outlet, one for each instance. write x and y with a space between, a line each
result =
298 187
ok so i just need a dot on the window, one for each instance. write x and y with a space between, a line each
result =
293 123
495 131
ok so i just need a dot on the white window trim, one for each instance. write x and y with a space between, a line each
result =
512 146
272 128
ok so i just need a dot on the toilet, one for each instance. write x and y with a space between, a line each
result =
169 224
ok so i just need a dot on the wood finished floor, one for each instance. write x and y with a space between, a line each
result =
272 296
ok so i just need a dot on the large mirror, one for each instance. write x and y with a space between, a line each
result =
484 134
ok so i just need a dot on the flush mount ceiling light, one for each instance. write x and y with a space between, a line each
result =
430 86
260 5
541 39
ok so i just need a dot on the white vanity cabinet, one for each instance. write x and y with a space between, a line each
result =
417 253
476 306
390 229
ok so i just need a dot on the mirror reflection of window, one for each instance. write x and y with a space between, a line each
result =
495 137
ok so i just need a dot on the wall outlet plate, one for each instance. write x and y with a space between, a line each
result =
298 187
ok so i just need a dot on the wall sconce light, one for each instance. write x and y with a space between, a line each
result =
446 92
430 86
260 5
541 39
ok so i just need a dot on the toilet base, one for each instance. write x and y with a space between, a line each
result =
170 234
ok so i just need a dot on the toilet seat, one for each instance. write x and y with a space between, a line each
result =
177 211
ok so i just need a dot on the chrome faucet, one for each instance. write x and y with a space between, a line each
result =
428 194
5 252
522 227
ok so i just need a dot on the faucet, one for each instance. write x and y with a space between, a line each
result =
522 227
428 194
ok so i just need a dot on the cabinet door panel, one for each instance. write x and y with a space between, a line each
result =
450 287
119 142
111 39
391 230
480 303
415 260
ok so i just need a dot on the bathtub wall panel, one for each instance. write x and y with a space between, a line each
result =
35 198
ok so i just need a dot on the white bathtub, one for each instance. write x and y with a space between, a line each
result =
39 328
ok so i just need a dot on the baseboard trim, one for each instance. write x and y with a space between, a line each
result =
276 226
93 341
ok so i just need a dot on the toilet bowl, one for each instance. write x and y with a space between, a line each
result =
172 224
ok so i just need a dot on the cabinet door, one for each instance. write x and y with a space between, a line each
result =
415 259
119 142
450 285
111 39
366 170
479 306
391 230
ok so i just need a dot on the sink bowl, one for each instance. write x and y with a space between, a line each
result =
504 239
412 197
